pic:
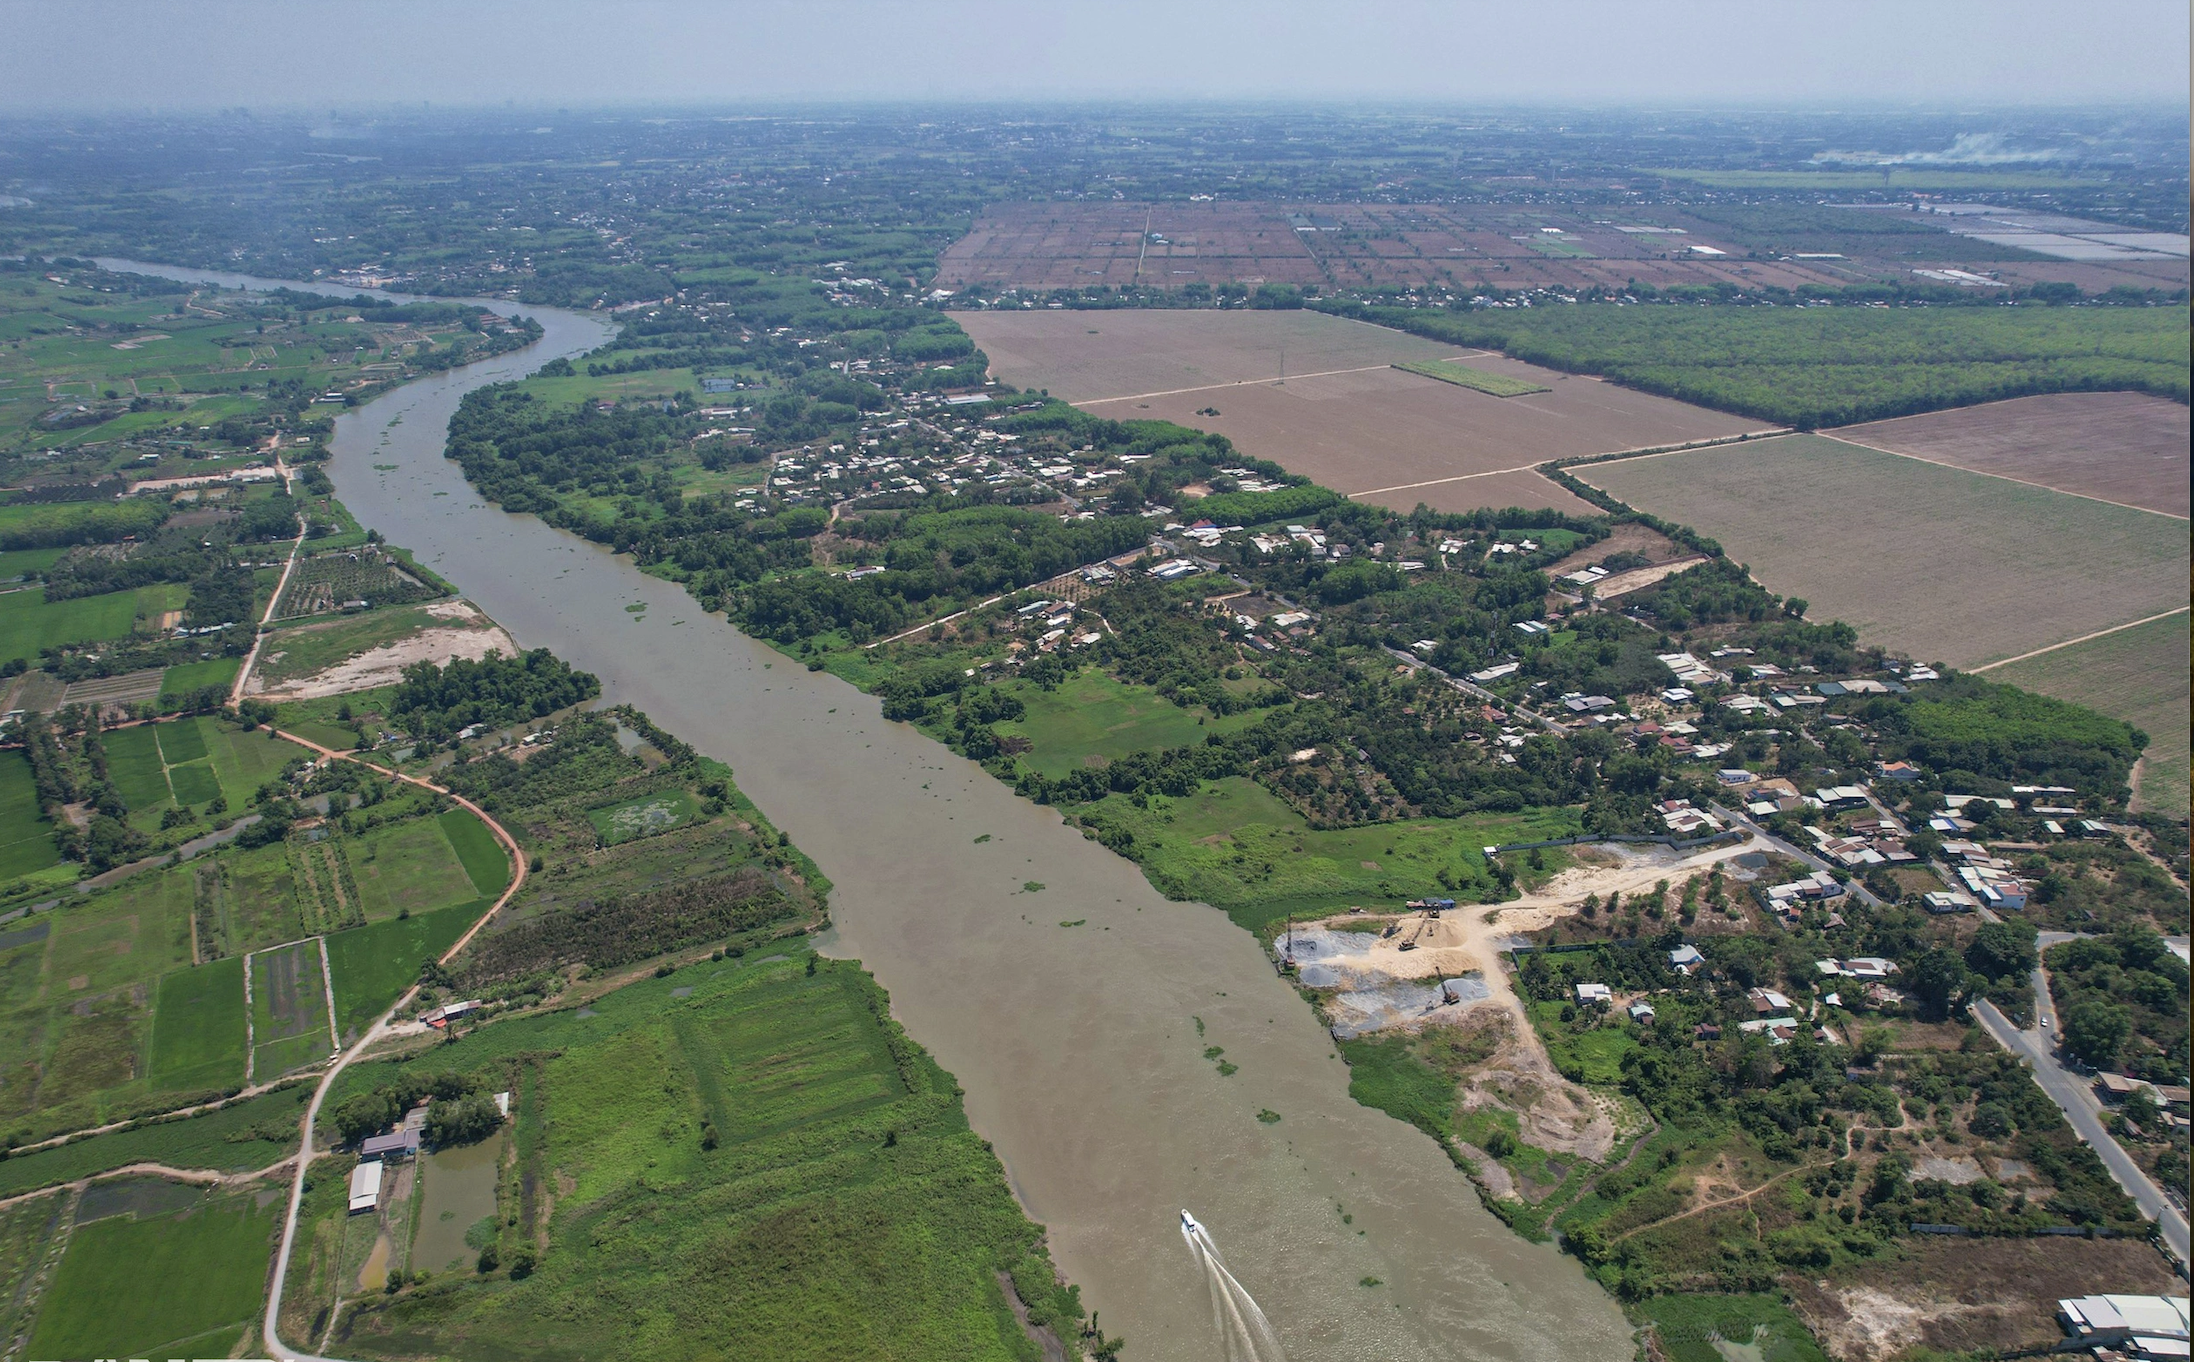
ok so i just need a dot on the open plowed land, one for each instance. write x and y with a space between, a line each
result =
1946 565
2129 448
1343 417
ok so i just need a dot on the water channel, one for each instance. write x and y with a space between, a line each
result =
1078 1047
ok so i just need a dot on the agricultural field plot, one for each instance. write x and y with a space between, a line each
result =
374 964
484 859
352 579
250 895
359 653
28 622
244 759
1091 719
27 1232
1043 246
1945 565
1477 380
2138 675
644 817
26 839
130 934
751 1087
289 1007
408 867
180 1283
2129 448
190 676
237 1138
1371 431
198 1027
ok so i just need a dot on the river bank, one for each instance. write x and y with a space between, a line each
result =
1080 1047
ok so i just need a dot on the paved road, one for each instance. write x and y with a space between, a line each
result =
2072 1094
1735 819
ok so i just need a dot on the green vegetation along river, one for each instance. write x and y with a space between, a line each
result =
1081 1047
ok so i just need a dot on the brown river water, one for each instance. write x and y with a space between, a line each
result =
1077 1046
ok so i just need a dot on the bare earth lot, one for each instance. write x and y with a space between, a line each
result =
457 629
1343 418
1947 565
2124 447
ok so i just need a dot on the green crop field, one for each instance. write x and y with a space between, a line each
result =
245 760
143 1287
408 867
1237 846
241 1136
485 861
259 897
374 964
897 1241
182 741
26 839
1480 380
131 933
198 1027
133 764
16 563
195 785
28 623
643 817
2138 675
1092 715
190 676
1712 1328
27 1231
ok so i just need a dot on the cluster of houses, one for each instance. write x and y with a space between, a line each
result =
1314 540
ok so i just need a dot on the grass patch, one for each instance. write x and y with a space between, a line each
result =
483 857
26 838
1237 846
189 676
128 1287
241 1136
636 818
1594 1056
198 1027
1688 1327
408 867
374 964
1478 380
1092 719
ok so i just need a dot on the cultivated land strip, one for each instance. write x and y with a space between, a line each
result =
1642 452
1986 473
1256 382
2084 638
259 635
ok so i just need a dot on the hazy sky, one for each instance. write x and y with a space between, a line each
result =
146 54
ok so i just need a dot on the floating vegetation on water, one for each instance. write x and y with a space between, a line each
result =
1032 886
1268 1116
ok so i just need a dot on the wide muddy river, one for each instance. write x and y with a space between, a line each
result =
1078 1046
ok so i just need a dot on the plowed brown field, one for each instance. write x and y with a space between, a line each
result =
1343 417
2124 447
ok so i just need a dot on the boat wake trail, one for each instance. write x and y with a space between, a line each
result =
1243 1330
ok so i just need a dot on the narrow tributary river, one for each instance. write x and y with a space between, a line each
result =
1077 1046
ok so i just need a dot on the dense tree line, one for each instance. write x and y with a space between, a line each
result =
435 702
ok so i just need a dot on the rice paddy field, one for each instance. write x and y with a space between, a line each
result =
795 1078
26 839
2137 674
1937 562
198 1027
1356 411
206 1266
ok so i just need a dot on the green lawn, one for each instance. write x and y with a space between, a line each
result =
1235 845
484 859
408 867
642 817
374 964
198 1027
1093 716
128 1287
26 839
